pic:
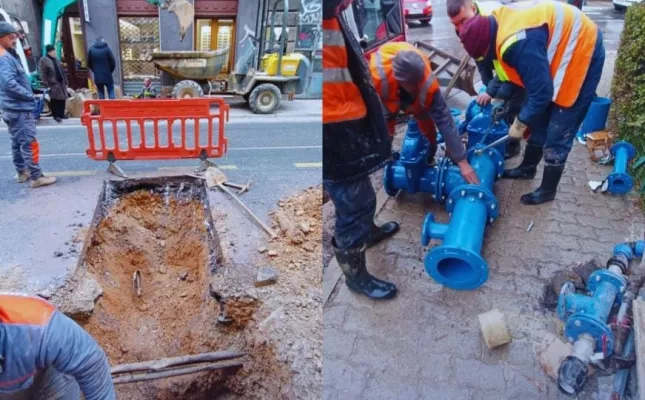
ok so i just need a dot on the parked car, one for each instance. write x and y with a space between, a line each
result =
419 10
621 5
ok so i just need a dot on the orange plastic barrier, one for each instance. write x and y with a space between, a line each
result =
108 141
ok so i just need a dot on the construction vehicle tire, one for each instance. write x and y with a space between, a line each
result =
187 90
265 98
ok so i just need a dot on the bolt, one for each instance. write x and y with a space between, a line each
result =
481 195
499 175
491 220
449 201
499 163
597 278
463 193
443 197
570 339
492 206
490 153
471 199
577 323
622 289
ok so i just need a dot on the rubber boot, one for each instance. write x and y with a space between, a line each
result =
380 233
546 191
513 148
43 181
22 177
528 168
357 279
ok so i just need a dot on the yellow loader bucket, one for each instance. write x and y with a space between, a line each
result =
449 70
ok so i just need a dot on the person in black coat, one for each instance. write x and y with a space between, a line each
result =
353 148
100 61
53 76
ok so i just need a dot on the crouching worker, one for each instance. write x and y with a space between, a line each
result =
44 355
405 82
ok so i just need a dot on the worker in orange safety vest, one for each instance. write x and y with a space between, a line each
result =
405 82
355 144
556 53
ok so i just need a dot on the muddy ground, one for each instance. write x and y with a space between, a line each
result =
278 325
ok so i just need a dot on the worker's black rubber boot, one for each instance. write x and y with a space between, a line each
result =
546 191
380 233
357 279
513 148
528 168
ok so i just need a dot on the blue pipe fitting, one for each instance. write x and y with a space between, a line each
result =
619 180
630 250
596 117
457 263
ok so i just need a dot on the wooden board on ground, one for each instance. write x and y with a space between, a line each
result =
639 338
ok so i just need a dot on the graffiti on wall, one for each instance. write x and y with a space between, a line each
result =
311 12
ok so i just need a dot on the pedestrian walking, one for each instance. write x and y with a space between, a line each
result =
355 144
53 76
556 53
46 355
18 103
100 61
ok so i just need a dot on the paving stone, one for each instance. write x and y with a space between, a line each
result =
338 345
398 354
436 369
348 383
430 391
384 390
334 315
521 352
477 375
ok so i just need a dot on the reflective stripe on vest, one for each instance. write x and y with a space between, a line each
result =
572 41
387 86
342 98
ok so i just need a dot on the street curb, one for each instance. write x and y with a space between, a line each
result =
333 274
76 122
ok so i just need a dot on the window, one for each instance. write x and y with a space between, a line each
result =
139 38
378 21
216 34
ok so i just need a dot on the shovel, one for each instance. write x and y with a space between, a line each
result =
215 177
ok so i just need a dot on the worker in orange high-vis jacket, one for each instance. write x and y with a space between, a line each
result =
556 53
355 144
45 355
405 82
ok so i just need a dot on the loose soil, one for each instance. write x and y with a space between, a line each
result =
279 326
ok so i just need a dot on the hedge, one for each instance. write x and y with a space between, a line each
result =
627 116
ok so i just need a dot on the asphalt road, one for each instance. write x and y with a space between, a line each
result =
275 154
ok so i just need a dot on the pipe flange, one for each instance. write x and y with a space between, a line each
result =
631 150
561 310
477 192
619 183
388 180
497 158
442 167
456 268
581 324
603 275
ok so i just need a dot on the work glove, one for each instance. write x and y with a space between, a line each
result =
517 130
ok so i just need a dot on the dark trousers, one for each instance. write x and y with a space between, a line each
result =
57 107
355 204
558 128
101 89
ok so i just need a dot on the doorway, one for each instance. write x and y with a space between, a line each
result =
73 57
216 34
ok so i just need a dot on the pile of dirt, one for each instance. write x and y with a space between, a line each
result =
290 317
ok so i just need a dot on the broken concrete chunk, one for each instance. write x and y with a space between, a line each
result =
266 276
163 269
550 354
183 276
288 227
77 297
305 227
273 253
494 328
262 250
58 254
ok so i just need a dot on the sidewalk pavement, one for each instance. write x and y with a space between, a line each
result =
426 343
239 109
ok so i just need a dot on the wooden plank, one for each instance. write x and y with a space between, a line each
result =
639 338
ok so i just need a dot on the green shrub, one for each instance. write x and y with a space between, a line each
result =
627 117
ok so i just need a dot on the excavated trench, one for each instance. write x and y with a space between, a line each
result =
160 230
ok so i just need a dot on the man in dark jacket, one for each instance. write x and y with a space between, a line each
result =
100 61
53 76
355 144
18 103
